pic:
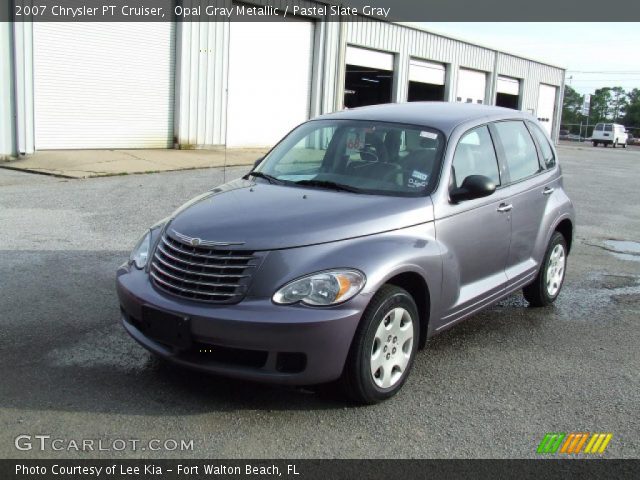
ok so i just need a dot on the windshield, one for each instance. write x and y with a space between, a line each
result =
358 156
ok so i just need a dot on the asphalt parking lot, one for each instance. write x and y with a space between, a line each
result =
490 387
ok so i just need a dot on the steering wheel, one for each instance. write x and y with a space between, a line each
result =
368 154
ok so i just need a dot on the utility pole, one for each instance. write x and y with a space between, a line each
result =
586 110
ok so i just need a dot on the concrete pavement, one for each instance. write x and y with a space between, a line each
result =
491 387
100 163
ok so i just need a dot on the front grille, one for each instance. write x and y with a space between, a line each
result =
201 273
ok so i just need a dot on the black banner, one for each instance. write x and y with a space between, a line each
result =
326 10
317 469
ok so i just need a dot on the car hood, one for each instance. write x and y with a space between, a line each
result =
263 216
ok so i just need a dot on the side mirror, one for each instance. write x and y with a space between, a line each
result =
257 162
474 186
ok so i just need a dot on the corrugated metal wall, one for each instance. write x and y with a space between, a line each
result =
7 130
202 69
201 83
201 80
407 42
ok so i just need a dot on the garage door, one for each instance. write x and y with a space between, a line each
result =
368 78
472 86
508 85
546 106
269 89
508 92
426 72
103 85
426 81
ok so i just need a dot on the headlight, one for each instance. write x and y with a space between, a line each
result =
322 288
140 253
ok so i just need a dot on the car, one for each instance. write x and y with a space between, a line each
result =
563 135
631 140
355 239
609 134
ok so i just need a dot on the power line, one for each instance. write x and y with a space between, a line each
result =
616 72
605 80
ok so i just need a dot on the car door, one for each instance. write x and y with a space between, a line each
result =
531 183
474 234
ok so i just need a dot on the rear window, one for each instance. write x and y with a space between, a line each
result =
608 128
519 149
599 127
547 152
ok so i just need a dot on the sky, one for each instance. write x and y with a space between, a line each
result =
608 49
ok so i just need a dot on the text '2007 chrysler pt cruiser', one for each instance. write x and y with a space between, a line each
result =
356 238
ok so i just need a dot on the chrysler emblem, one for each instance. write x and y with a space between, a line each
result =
194 241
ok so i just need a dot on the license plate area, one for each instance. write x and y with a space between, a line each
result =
167 328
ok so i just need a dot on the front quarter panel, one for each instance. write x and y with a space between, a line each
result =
380 257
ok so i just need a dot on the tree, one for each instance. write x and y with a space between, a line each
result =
571 106
600 105
618 103
632 112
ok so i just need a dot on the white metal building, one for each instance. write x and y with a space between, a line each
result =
200 85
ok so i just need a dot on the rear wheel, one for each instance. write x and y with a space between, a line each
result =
383 348
595 144
546 287
615 143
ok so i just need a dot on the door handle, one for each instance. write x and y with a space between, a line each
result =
548 191
505 207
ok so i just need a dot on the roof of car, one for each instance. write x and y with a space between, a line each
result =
444 116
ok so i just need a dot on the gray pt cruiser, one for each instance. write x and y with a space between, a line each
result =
355 239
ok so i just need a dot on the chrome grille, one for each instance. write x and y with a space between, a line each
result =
200 272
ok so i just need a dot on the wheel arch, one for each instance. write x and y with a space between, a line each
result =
565 227
417 286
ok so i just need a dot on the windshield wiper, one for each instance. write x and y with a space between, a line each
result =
328 184
266 176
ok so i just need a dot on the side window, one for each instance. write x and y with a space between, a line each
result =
547 152
475 155
599 127
519 149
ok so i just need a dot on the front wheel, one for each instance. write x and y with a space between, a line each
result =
383 348
546 287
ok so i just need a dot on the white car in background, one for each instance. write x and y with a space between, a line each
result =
609 134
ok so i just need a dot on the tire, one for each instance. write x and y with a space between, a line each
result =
376 340
624 145
595 144
541 293
615 143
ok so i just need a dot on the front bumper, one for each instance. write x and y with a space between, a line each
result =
254 339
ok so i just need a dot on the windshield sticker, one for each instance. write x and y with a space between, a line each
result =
431 135
418 179
420 175
355 142
413 183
